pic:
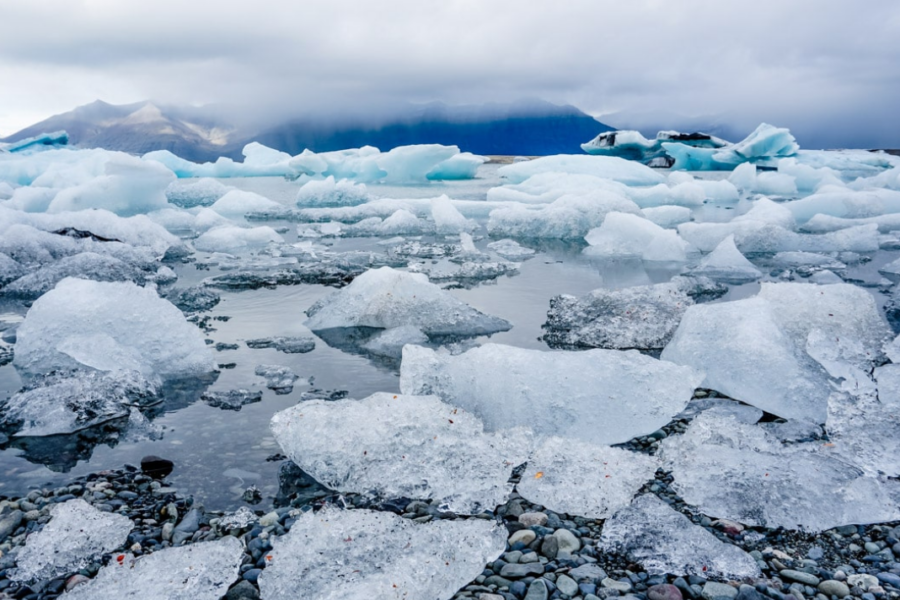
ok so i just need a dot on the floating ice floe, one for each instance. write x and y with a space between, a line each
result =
67 402
665 541
288 345
726 263
228 238
386 298
203 192
625 235
278 378
87 265
764 359
200 571
846 204
598 396
667 217
109 327
328 192
642 317
403 446
578 478
736 471
606 167
362 554
238 203
76 535
510 250
231 399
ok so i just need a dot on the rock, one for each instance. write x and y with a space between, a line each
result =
522 570
243 591
533 518
567 541
718 591
567 585
526 536
587 572
748 593
537 590
75 580
619 586
268 519
156 467
550 547
890 579
189 524
10 523
167 530
799 576
830 587
664 591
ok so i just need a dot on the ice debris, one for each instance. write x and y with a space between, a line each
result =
362 554
200 571
386 298
403 446
579 478
665 541
510 249
231 399
726 263
598 396
278 378
737 471
288 345
109 327
76 535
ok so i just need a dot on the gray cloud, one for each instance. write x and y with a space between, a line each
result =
813 65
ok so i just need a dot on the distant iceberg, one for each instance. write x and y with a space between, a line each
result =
632 145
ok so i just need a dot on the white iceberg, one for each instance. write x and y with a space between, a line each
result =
726 263
606 167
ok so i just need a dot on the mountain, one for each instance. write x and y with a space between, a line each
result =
529 127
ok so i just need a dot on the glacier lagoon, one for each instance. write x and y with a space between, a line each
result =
329 278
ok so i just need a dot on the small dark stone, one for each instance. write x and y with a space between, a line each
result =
252 575
156 467
244 590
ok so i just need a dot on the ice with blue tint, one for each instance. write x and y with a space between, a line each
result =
634 146
109 327
403 164
766 144
203 192
569 394
37 143
328 192
606 167
387 298
726 263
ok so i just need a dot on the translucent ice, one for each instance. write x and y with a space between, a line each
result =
665 541
76 535
447 219
726 263
846 204
327 192
599 396
667 216
200 571
236 239
461 166
108 327
237 203
86 265
765 145
606 167
363 554
402 446
753 235
578 478
203 192
390 342
62 403
510 249
643 317
628 236
741 472
387 298
278 378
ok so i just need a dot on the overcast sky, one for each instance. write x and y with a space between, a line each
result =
805 64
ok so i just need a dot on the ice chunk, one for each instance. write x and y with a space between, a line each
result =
447 219
606 167
405 164
63 403
10 270
236 239
624 235
599 396
726 263
892 350
891 270
237 203
86 265
363 554
808 260
327 192
757 236
665 541
38 143
288 345
278 378
756 362
203 192
129 186
232 399
510 249
462 166
467 272
643 317
390 342
195 299
846 204
667 216
740 472
109 326
578 478
387 298
76 535
721 406
862 424
200 571
633 146
764 146
403 446
569 217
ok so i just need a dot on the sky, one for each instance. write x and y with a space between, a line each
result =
820 67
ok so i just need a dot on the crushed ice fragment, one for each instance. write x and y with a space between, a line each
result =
278 378
232 399
726 263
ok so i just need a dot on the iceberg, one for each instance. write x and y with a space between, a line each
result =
764 146
86 265
200 571
625 235
583 395
327 192
386 298
605 167
846 204
447 219
235 204
362 554
109 327
37 143
76 535
740 472
569 217
203 192
461 166
641 317
227 238
578 478
396 446
726 263
755 236
632 145
664 541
